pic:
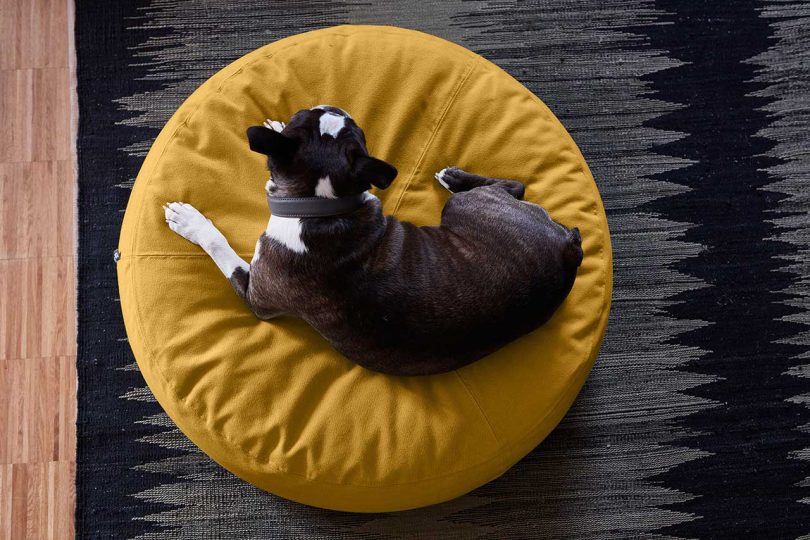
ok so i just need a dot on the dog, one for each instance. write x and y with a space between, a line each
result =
391 296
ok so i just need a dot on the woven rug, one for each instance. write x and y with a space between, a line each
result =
694 117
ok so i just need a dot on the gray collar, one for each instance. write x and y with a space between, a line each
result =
301 207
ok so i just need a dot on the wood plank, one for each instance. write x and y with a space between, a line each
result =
16 94
6 500
35 114
33 509
51 109
44 20
39 414
37 307
36 209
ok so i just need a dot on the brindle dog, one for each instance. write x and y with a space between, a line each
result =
393 297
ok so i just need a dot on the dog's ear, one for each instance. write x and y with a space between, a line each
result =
271 143
374 171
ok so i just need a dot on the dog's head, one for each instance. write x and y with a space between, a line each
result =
320 152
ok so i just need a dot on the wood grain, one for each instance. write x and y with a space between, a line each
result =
34 33
37 270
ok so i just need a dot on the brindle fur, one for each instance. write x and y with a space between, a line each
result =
394 297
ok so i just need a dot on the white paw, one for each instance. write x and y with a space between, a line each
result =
270 185
189 223
440 177
275 125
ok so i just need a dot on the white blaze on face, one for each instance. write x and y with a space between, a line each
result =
286 231
325 189
331 124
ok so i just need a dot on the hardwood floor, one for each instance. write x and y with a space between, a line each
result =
37 289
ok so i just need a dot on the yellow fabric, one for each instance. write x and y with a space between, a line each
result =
271 401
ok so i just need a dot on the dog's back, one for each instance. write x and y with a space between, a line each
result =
431 299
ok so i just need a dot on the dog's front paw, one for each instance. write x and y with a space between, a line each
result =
189 223
445 178
275 125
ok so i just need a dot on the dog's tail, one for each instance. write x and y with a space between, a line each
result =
573 249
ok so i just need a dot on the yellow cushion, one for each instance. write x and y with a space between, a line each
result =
271 401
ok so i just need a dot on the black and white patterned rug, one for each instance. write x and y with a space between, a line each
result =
694 117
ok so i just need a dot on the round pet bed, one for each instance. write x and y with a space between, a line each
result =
271 401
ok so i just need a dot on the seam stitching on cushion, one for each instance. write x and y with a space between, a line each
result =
429 142
274 465
475 400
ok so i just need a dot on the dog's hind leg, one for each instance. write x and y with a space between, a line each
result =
189 223
455 180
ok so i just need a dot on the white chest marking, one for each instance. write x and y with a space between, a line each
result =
257 251
287 231
331 124
325 188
